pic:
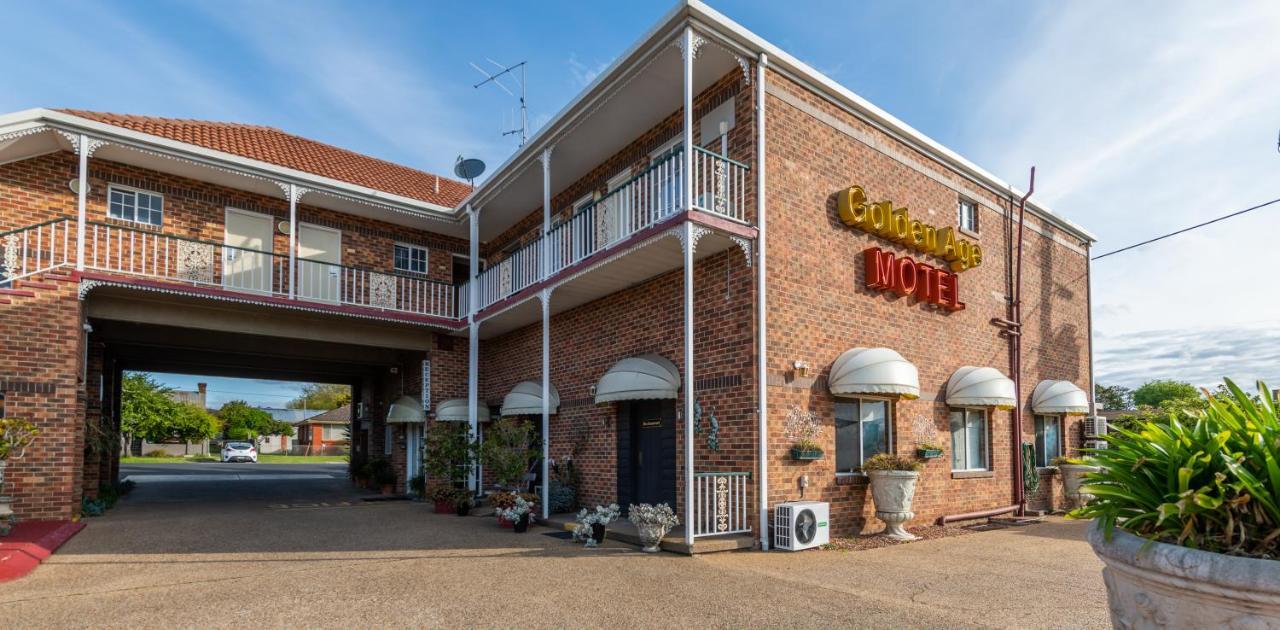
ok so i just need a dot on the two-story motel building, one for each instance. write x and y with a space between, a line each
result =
711 238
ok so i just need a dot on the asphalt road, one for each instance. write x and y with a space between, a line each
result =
254 483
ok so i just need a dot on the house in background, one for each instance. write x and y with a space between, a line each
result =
324 433
197 397
280 443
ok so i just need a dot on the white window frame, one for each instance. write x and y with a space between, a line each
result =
135 192
426 258
888 430
972 205
986 432
1038 420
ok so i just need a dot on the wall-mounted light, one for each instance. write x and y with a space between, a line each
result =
801 368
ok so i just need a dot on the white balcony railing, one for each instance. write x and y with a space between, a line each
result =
719 186
150 254
720 503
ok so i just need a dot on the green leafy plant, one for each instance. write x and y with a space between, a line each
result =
891 461
507 449
15 437
449 451
445 494
418 484
1211 483
382 472
1063 460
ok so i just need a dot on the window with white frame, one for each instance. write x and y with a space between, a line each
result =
968 216
138 206
862 430
332 432
410 258
1048 438
969 439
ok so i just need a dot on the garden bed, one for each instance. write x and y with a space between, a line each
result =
876 541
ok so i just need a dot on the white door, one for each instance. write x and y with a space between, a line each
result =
246 258
413 451
319 260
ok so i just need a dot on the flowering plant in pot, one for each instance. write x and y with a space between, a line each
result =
1073 470
518 514
15 436
463 502
592 523
1187 515
893 488
442 499
803 429
653 522
383 474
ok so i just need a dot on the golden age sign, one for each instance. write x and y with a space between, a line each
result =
883 220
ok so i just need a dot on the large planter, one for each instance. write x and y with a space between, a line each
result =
1072 478
504 523
444 507
597 535
651 535
893 491
1156 585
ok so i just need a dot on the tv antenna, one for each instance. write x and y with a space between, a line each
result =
496 79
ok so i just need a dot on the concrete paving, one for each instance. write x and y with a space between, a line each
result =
310 553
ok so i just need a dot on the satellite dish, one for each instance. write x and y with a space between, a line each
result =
468 168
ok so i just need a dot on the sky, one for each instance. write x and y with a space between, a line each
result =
1142 117
222 390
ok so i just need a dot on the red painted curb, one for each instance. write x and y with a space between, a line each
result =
30 543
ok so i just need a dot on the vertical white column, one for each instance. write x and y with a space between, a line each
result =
546 211
689 390
473 348
293 239
687 176
81 200
546 332
762 309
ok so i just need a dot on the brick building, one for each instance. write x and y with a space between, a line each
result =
808 256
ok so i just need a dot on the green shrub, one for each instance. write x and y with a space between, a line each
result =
157 453
507 449
1210 483
382 472
418 484
891 461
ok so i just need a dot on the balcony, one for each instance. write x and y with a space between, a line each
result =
643 202
216 269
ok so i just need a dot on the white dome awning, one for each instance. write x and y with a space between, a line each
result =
452 410
645 377
406 410
525 399
1059 397
873 371
980 387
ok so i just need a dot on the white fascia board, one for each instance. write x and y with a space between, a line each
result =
127 137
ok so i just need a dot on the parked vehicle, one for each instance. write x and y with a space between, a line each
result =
239 452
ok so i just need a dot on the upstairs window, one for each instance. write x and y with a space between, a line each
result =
1048 439
138 206
410 258
968 216
862 430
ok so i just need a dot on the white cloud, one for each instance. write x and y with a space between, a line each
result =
1145 118
584 74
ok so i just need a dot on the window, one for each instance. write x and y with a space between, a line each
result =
333 432
1048 439
969 439
968 216
410 258
862 430
135 205
667 177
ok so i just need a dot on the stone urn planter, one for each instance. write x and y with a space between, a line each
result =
1156 585
893 491
1072 478
651 535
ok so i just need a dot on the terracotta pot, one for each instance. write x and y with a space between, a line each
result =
1157 585
388 489
444 507
504 523
893 491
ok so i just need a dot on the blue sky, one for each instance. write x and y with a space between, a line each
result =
1142 116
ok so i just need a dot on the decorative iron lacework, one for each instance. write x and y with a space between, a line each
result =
382 290
195 261
717 382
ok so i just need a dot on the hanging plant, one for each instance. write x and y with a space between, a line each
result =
803 429
713 436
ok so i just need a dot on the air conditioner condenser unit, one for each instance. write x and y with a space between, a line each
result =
801 525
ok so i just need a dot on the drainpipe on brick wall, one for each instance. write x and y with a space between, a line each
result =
762 310
1019 497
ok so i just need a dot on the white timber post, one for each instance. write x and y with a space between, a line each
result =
473 341
293 239
687 184
762 308
82 199
545 297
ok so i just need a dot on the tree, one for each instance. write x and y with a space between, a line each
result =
322 396
242 422
1113 396
1153 393
145 408
190 423
450 451
506 450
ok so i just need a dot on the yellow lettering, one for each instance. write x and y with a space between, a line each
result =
880 218
975 255
946 247
917 233
852 206
901 225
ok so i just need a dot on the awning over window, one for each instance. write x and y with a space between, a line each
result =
453 410
646 377
525 399
1059 397
980 387
873 371
406 410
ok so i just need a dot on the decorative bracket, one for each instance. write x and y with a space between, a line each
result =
91 145
697 232
746 247
697 42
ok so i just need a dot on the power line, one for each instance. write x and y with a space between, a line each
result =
1188 229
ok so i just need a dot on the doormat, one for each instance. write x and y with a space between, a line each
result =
560 535
389 497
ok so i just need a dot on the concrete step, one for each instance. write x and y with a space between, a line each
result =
623 531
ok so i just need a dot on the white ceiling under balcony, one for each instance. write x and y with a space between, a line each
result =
633 96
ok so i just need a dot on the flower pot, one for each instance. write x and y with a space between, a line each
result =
444 507
504 523
521 526
651 535
597 533
1151 585
462 509
805 454
387 488
893 491
928 453
1072 478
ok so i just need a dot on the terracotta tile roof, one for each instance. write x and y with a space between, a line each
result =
268 144
341 415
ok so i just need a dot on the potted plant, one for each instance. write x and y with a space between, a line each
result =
1187 517
449 453
893 487
803 429
507 449
1073 471
502 501
442 499
652 522
518 514
418 486
15 436
462 502
592 524
928 450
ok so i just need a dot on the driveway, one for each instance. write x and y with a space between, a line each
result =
232 483
323 558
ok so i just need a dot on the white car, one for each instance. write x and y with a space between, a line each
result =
239 452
